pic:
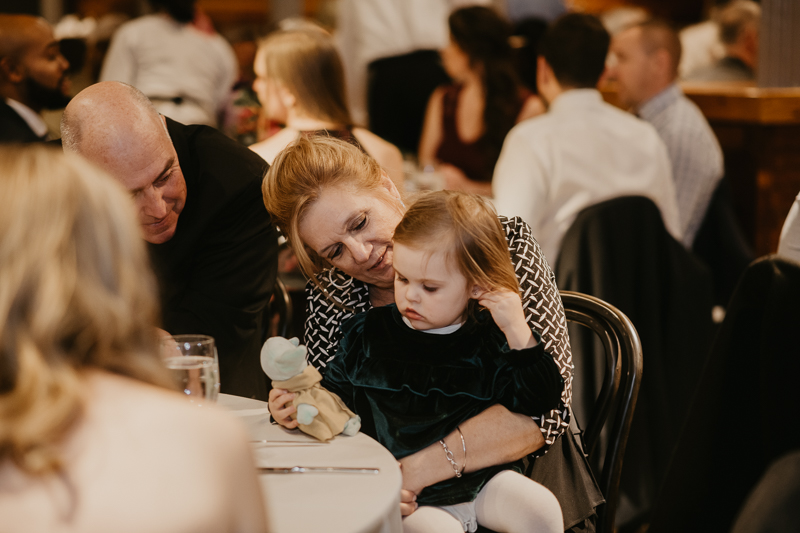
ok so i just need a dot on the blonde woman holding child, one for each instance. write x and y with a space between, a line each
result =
454 343
339 211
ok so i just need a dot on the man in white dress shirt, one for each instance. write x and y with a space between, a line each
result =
186 71
32 77
582 151
646 67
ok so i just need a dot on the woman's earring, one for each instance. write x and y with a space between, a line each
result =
340 287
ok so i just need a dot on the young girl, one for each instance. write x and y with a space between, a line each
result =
455 343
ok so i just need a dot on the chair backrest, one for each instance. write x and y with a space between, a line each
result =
746 409
616 401
620 251
282 306
722 245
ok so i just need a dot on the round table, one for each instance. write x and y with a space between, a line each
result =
330 502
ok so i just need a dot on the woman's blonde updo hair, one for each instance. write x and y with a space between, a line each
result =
307 64
301 172
466 228
76 293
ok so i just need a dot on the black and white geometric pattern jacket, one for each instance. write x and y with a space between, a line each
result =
540 301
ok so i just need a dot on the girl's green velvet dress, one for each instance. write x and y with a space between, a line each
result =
413 388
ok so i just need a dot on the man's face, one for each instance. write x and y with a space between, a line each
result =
46 83
151 172
632 67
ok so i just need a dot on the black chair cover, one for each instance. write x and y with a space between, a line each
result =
747 408
620 251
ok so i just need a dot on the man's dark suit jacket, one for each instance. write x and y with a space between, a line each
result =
13 128
216 274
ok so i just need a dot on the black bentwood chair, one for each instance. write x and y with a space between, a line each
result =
613 409
278 314
283 307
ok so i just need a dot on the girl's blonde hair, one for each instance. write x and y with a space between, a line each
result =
76 293
308 65
464 226
299 175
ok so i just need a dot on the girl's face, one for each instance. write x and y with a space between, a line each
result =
353 231
268 91
455 61
429 291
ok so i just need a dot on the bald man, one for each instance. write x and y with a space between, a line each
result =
646 58
32 77
198 195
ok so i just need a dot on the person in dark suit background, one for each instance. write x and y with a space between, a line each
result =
32 77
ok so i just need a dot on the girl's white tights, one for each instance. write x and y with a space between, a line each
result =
508 503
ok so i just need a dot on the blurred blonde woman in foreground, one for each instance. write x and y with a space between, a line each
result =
90 439
300 83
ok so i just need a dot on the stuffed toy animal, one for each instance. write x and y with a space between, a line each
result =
320 413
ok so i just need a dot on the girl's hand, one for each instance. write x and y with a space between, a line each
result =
280 405
506 309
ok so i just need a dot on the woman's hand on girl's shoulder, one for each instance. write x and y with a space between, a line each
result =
281 408
506 309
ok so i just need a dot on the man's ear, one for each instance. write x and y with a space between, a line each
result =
662 60
12 69
750 37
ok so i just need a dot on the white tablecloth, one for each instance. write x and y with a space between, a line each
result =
311 502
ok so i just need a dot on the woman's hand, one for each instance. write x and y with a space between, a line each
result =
280 405
506 309
408 499
408 503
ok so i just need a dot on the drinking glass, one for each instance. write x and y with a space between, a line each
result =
195 365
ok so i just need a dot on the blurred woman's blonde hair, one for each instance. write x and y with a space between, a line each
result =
466 228
76 294
299 175
307 63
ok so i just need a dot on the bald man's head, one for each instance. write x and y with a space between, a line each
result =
115 126
105 116
32 69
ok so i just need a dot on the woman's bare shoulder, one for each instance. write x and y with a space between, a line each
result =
130 434
149 408
271 147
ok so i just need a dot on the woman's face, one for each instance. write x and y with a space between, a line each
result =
268 91
352 229
455 61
